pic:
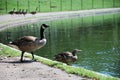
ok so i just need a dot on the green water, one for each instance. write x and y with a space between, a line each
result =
97 36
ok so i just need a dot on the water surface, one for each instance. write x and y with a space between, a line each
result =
97 36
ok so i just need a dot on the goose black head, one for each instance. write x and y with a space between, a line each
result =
44 26
75 51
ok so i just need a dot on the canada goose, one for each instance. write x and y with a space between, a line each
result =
67 57
34 12
12 12
31 43
24 12
18 12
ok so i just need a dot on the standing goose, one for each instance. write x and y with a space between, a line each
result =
34 12
12 12
67 57
31 43
18 12
24 12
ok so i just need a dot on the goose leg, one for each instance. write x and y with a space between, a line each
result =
22 56
32 55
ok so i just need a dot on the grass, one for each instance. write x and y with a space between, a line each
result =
56 5
8 51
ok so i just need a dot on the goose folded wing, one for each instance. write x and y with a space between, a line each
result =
64 55
24 40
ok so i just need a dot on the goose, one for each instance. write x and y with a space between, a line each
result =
33 12
67 57
12 12
31 43
18 12
24 12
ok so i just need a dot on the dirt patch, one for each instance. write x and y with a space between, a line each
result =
12 69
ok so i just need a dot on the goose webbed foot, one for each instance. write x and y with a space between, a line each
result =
21 60
34 59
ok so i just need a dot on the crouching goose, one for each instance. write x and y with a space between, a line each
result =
67 57
31 43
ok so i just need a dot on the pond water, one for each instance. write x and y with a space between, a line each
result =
97 36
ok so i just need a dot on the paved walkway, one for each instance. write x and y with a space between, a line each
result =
14 20
12 69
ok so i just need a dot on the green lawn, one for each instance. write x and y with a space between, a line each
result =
56 5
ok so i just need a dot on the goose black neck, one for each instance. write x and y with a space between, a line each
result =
74 53
42 36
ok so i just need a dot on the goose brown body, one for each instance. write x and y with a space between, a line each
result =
31 43
67 57
18 12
